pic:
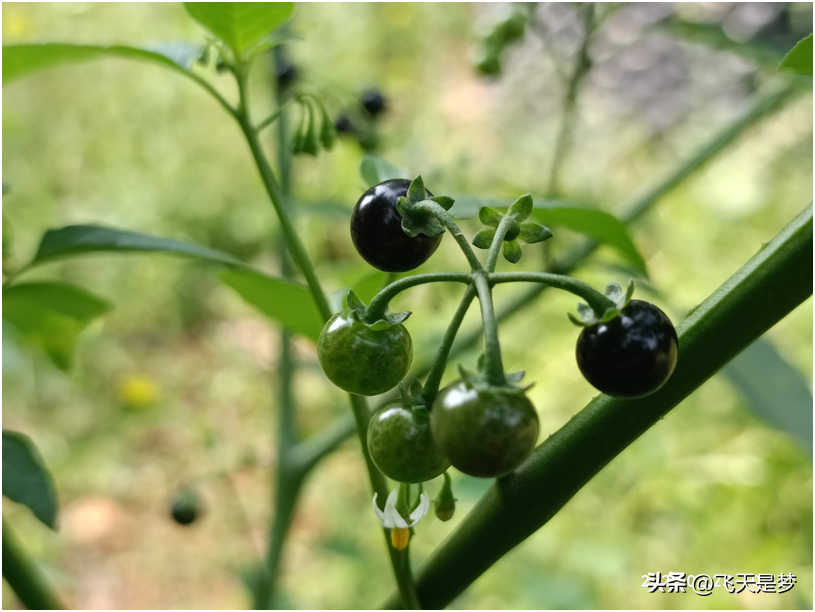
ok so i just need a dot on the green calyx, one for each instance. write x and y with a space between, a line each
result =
587 316
479 381
445 502
311 136
374 321
516 229
417 219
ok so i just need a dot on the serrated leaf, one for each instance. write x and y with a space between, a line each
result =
240 24
21 60
375 170
52 316
512 251
289 303
484 237
81 239
521 208
774 390
26 480
799 59
532 233
489 216
416 192
446 202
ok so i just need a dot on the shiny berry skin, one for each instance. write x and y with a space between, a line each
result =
401 445
632 355
361 360
373 102
376 229
484 433
185 508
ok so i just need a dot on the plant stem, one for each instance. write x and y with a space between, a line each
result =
296 248
447 220
379 303
493 366
434 376
598 301
497 243
767 288
24 577
581 67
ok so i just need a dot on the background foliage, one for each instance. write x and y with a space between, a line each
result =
173 386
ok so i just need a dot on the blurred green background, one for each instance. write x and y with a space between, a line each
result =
176 386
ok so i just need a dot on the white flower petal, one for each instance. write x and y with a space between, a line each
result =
419 513
392 514
381 515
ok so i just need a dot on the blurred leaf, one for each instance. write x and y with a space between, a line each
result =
52 315
601 226
713 35
26 480
774 389
20 60
799 60
81 239
287 302
467 207
375 169
240 24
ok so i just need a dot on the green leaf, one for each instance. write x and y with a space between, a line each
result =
601 226
287 302
799 60
80 239
21 60
484 237
52 315
489 216
26 480
240 24
375 170
774 389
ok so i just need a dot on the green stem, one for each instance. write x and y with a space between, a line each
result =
296 248
493 366
497 243
598 301
306 454
767 288
379 304
274 116
24 577
447 221
434 376
581 67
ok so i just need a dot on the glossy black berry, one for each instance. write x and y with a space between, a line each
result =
373 102
632 355
376 229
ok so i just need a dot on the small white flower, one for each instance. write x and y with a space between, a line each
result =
391 519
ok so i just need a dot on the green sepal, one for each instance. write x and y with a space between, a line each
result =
521 208
468 376
446 202
311 143
532 232
405 394
484 237
416 191
489 216
299 136
328 134
512 251
416 222
588 317
391 319
353 302
513 230
514 377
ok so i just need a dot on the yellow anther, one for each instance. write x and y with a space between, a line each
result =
400 538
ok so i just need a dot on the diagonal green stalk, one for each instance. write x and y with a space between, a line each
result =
598 301
497 243
24 577
378 305
359 404
767 288
448 222
493 365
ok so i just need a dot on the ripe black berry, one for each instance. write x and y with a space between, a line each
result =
373 101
